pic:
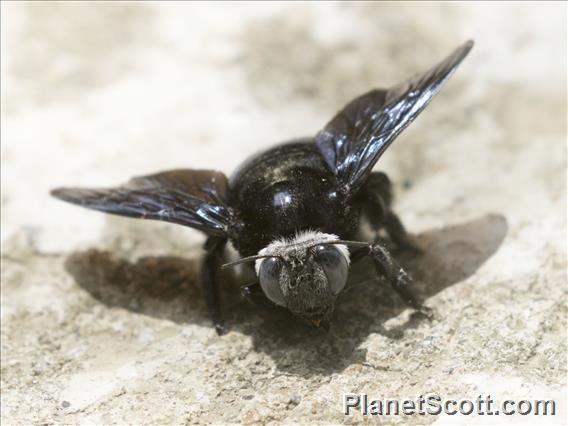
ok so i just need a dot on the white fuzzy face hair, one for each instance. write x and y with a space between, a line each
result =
297 246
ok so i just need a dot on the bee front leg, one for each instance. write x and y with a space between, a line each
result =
254 294
214 247
399 280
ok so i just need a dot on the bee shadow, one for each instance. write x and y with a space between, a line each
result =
164 287
168 288
451 255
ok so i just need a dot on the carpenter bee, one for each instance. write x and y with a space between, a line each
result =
294 210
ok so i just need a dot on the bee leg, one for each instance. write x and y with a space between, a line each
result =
254 294
359 254
376 196
396 276
377 206
214 247
398 233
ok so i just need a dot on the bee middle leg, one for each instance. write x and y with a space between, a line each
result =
377 200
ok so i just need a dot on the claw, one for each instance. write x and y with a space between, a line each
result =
427 312
221 329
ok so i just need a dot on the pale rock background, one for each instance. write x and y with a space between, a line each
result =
102 320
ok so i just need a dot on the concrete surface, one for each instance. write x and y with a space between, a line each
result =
102 319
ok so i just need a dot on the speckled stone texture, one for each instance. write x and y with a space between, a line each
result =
102 317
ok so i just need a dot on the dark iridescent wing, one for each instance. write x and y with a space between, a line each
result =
194 198
353 141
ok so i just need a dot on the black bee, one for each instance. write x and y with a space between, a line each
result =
293 209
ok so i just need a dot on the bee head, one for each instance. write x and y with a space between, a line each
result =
304 274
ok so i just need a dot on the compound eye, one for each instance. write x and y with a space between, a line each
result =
334 264
269 276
